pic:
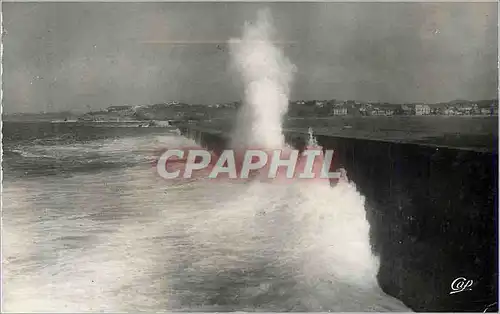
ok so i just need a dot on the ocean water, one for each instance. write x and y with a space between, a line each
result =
114 236
89 226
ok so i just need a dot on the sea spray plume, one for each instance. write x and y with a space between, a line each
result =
266 74
312 232
312 140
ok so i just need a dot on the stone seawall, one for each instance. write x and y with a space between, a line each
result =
433 216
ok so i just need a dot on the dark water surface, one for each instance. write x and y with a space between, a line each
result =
472 132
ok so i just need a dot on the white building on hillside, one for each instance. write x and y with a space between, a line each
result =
422 110
339 111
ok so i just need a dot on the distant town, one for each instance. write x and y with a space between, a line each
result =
312 108
354 108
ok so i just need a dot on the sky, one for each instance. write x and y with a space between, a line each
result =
76 56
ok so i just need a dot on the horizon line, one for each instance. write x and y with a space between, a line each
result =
206 104
213 42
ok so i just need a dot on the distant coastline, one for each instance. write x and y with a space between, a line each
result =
316 109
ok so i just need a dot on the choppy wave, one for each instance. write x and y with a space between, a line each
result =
126 240
49 158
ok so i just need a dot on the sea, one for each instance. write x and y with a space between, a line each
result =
89 226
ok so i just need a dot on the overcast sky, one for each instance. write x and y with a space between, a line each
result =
67 56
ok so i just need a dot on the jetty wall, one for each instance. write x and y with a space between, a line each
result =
432 212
